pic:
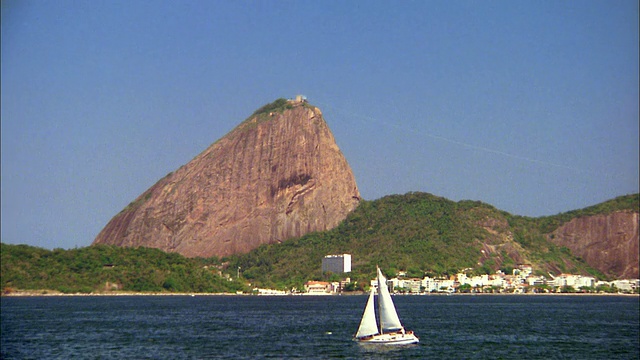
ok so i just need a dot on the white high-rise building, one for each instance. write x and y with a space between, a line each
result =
337 264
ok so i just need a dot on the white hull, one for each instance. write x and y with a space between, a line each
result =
370 333
390 339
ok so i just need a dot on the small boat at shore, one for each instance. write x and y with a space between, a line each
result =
390 331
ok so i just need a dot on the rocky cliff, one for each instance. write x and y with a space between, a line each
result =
277 175
608 243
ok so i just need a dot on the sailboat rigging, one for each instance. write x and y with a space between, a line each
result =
390 330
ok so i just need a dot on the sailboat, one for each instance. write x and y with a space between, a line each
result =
390 331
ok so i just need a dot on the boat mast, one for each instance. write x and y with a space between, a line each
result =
379 296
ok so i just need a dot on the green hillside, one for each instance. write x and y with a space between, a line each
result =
417 232
423 234
108 268
547 224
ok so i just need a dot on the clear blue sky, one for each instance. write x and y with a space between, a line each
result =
530 106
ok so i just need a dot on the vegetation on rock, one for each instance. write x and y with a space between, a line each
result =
419 233
547 224
279 106
108 268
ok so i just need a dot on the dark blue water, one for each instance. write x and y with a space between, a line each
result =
249 327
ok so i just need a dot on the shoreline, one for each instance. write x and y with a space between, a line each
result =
45 293
50 293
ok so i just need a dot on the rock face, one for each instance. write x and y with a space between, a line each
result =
609 243
276 176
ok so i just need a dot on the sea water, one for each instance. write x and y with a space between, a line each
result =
317 327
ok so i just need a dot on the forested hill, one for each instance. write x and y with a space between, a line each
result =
417 232
547 224
422 233
105 268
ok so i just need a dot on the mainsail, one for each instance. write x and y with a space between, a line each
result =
368 324
391 331
388 316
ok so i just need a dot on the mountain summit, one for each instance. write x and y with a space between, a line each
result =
277 175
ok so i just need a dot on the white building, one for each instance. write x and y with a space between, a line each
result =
497 280
523 270
300 98
586 281
318 288
462 278
624 285
429 284
476 281
445 285
269 292
337 264
535 280
413 285
393 283
575 281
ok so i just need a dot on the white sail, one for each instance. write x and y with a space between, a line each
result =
368 325
388 316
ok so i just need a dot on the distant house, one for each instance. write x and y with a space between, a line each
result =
625 285
523 270
269 292
413 285
317 287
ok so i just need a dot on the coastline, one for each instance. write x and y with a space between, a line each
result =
49 293
45 293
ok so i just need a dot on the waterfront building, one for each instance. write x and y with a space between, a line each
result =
445 285
337 264
624 285
535 280
318 287
497 281
523 270
269 292
584 281
393 283
413 285
429 284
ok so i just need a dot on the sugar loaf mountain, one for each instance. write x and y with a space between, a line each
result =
277 175
276 194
